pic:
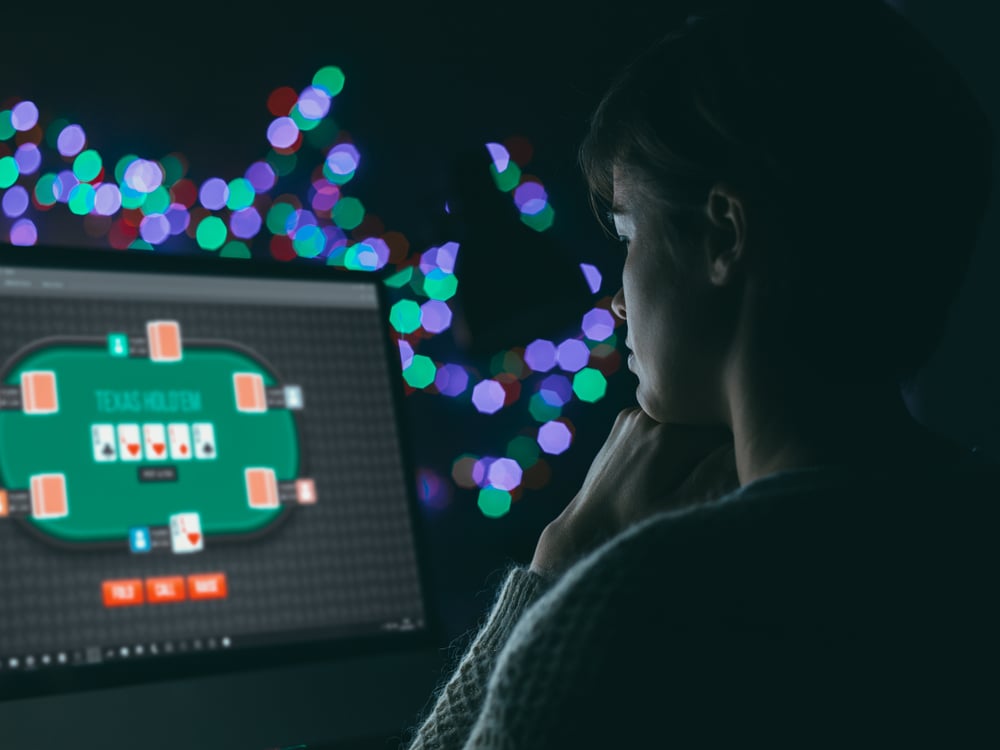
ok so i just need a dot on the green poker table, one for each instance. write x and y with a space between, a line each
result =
106 499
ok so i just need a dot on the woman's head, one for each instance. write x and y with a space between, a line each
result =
863 161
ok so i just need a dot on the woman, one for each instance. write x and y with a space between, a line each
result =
770 549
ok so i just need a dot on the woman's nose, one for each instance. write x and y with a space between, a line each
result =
618 303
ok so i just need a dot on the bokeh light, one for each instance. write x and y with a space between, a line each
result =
572 355
554 437
488 396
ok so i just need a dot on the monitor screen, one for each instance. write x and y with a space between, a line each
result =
201 463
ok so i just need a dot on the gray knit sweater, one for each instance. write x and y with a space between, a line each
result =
814 607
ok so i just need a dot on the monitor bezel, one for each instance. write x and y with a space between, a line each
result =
46 681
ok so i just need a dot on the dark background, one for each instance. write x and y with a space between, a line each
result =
424 84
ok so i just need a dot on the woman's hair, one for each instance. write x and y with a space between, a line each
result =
860 151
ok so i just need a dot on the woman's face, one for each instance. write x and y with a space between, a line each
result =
667 310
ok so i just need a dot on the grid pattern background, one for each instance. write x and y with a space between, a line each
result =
348 560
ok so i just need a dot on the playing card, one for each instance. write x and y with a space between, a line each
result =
48 496
155 442
164 340
103 438
250 393
180 441
204 440
185 533
38 390
129 447
262 487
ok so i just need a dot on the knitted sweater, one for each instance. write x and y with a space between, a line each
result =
812 607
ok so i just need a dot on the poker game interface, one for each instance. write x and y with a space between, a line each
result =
202 464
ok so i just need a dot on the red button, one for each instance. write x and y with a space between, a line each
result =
122 593
165 590
207 586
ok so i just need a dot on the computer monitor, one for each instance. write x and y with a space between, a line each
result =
203 471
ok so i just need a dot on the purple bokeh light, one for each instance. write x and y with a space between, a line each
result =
505 474
23 233
24 116
530 198
592 276
178 216
154 228
343 159
442 258
451 380
540 355
245 223
28 158
325 195
64 184
481 469
435 316
500 156
71 141
261 176
572 355
598 324
143 176
15 201
554 437
107 199
488 396
214 193
314 103
556 390
405 353
282 132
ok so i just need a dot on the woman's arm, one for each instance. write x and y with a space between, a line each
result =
460 699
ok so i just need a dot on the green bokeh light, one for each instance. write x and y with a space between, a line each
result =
589 385
309 241
405 316
45 190
334 178
540 221
421 371
541 411
87 165
321 136
494 503
348 213
282 164
524 450
52 132
173 169
157 202
211 233
277 217
235 249
132 198
81 199
400 279
329 78
9 171
440 285
140 244
6 126
301 121
509 179
241 194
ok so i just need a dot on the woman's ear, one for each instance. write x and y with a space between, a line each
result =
725 234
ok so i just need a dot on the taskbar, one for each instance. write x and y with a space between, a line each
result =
98 655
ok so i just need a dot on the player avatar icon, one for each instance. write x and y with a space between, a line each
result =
139 540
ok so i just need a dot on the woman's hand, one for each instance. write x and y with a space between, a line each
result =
643 467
